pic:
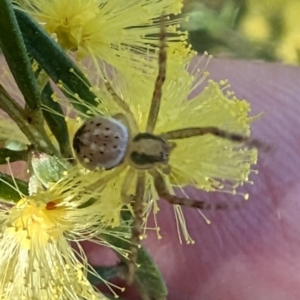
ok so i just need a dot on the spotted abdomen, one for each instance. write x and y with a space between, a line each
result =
101 143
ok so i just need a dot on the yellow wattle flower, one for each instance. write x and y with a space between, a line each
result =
289 47
258 25
106 30
37 260
207 162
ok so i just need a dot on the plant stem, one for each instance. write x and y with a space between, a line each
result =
37 137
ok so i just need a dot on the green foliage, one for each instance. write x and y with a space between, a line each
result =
8 190
55 61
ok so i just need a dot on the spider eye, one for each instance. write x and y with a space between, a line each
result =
101 143
144 159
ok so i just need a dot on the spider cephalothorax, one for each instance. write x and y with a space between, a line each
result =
148 150
106 142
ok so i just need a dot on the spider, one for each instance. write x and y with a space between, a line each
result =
107 142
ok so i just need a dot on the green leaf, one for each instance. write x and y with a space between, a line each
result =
13 155
56 121
55 62
148 278
107 273
34 185
13 145
14 50
7 190
48 168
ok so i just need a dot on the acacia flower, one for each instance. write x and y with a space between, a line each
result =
208 162
106 211
37 260
105 30
286 42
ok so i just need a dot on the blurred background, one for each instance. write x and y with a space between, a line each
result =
266 30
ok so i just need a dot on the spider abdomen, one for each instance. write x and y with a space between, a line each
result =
101 142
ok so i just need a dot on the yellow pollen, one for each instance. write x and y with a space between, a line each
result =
34 221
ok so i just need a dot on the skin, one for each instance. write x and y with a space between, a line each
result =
253 252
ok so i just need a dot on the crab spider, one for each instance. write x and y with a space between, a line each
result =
107 142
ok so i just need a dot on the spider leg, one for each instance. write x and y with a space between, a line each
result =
198 131
102 181
138 210
163 192
120 102
162 59
164 168
123 119
125 185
